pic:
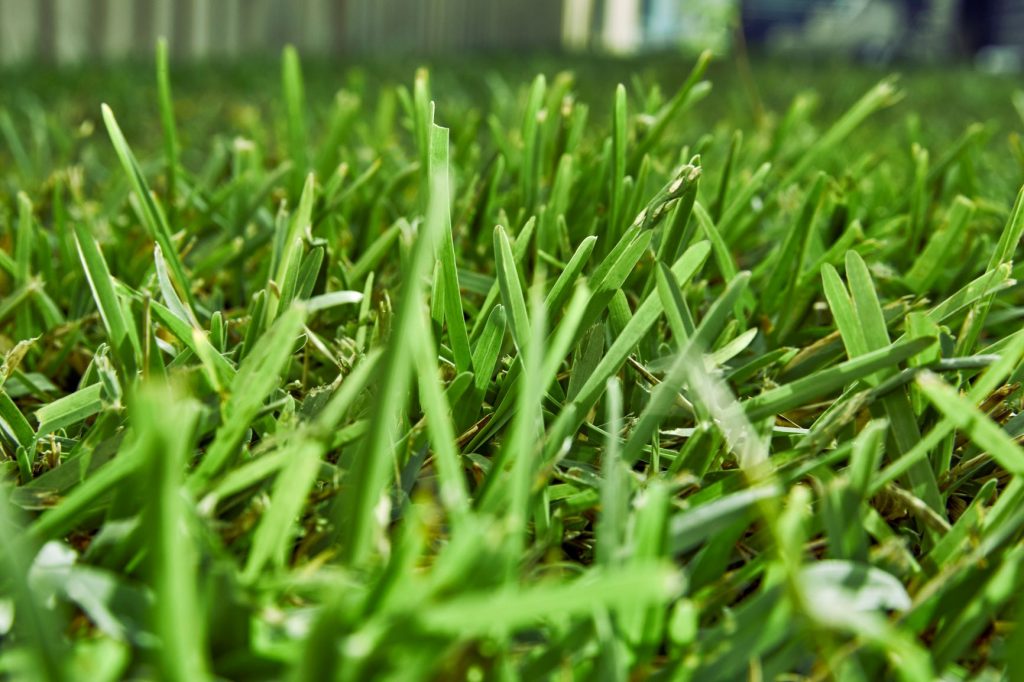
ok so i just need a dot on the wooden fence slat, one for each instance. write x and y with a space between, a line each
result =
71 30
19 31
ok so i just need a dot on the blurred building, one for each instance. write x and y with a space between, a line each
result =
991 31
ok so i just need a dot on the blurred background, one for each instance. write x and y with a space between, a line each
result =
988 32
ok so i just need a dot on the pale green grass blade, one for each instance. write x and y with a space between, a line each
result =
883 95
70 409
258 375
164 424
437 410
530 169
969 419
938 253
295 110
514 608
610 536
273 535
843 312
618 168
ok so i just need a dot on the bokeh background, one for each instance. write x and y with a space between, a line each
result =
990 33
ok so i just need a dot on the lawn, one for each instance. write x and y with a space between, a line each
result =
319 371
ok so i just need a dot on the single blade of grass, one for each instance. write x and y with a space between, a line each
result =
187 335
530 169
936 256
826 381
458 336
258 375
883 95
164 423
171 148
611 530
969 419
101 283
295 111
618 169
511 290
368 475
438 412
902 420
688 92
70 409
154 218
274 534
513 608
288 251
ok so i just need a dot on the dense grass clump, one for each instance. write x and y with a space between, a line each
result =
655 389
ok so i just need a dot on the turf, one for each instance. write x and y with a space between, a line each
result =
482 375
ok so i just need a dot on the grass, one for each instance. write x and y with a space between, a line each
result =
484 377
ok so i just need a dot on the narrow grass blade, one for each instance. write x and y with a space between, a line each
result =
514 608
295 110
368 478
273 535
511 289
163 79
155 220
164 425
258 375
978 427
826 381
103 292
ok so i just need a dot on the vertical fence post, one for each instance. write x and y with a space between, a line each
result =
181 28
19 31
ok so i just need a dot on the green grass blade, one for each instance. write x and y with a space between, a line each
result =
164 423
154 218
295 110
969 419
511 289
163 79
826 381
258 375
368 478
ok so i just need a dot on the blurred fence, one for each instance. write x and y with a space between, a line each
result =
71 30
